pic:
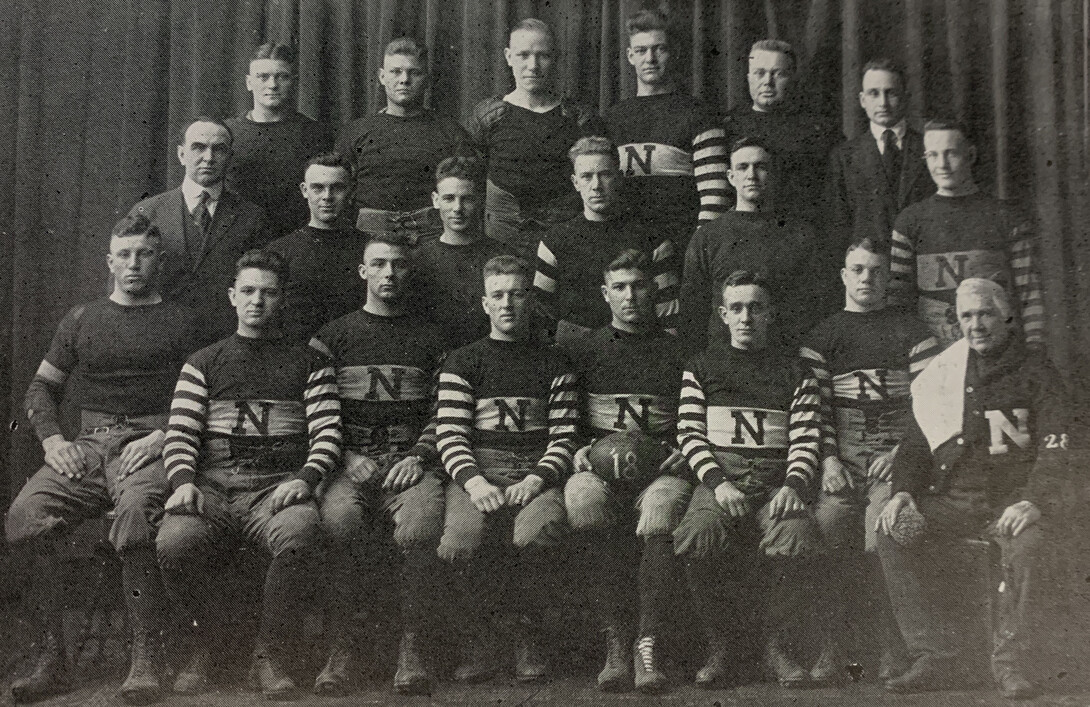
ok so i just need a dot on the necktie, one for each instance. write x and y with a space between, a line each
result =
201 216
891 157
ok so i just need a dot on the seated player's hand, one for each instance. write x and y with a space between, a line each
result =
673 464
403 474
486 496
882 465
834 477
731 499
64 457
524 491
582 459
289 493
359 467
140 452
785 502
888 517
1017 517
186 500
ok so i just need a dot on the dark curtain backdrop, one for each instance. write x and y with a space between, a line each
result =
92 93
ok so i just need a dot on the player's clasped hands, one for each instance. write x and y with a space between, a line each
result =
487 497
359 467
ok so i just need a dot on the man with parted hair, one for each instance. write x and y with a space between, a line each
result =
395 151
617 396
387 360
572 255
324 255
864 358
447 285
507 415
876 174
957 233
672 146
749 425
524 137
120 355
800 139
272 140
205 227
254 427
986 452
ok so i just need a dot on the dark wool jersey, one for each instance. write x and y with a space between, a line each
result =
324 281
508 395
526 151
448 286
386 372
940 241
395 157
757 404
1015 430
864 363
781 249
672 147
628 382
117 359
801 142
268 164
265 394
572 256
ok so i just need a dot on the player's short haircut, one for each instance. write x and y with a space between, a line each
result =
508 265
870 245
469 169
647 20
533 24
776 45
629 259
407 46
330 159
884 64
267 260
277 52
948 124
594 145
749 141
390 238
204 119
739 278
138 225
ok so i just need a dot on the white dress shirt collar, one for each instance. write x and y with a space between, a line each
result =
898 130
191 191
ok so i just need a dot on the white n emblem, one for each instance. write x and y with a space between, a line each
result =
1001 427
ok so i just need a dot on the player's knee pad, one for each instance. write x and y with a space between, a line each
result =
543 523
588 502
181 537
662 505
840 522
793 536
702 535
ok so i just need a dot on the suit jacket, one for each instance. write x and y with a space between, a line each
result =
199 276
858 198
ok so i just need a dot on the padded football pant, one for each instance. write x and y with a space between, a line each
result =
519 228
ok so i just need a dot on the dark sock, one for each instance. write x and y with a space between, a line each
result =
659 569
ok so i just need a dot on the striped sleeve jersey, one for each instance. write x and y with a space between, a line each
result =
514 396
864 363
940 241
264 393
673 148
387 368
757 404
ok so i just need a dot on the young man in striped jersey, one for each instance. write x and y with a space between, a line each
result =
672 148
254 427
120 356
864 358
958 233
572 256
387 361
749 425
617 396
507 418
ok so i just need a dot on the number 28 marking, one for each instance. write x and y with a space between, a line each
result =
1056 441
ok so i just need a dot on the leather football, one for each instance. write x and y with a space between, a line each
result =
627 460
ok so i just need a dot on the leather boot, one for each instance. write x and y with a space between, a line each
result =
412 676
50 674
649 678
267 675
143 590
141 687
478 661
193 678
786 671
616 675
530 662
715 670
827 669
335 680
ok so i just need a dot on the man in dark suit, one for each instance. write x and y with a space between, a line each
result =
881 171
205 227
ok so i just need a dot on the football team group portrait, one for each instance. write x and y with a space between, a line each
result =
705 395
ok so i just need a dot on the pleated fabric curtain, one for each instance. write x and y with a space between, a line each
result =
91 95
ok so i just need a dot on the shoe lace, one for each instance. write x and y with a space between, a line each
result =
645 648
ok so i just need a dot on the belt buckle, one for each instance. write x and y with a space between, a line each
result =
101 430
